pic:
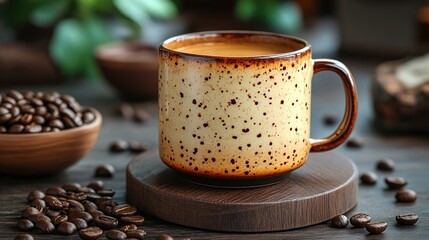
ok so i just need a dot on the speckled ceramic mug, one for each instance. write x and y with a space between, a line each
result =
234 106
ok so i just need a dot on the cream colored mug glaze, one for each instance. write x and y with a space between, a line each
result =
236 117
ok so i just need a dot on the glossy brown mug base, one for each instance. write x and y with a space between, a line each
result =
235 182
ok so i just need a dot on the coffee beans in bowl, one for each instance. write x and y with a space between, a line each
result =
44 132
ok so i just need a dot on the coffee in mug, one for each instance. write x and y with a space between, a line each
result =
234 106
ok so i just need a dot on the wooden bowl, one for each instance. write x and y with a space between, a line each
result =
36 154
131 68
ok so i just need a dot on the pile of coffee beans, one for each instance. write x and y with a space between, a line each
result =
72 208
363 220
35 112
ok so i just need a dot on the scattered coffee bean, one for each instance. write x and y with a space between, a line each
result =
376 228
90 233
89 206
164 237
138 147
407 219
116 235
41 112
95 213
360 220
330 119
57 220
66 228
72 187
96 185
38 203
406 196
340 221
79 223
141 116
105 170
136 233
56 191
124 110
119 146
38 217
106 222
395 182
53 203
35 194
133 220
29 211
51 213
127 227
368 178
124 210
354 143
24 236
25 225
387 165
106 192
76 206
86 190
82 215
45 226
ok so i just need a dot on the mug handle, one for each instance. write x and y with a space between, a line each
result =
350 114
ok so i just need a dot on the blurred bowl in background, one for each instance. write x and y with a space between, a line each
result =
131 68
37 154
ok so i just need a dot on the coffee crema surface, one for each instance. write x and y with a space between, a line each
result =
234 49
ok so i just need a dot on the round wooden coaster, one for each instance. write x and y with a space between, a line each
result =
324 187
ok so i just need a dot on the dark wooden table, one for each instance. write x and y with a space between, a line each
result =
410 152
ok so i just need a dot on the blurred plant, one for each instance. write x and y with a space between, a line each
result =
81 25
278 15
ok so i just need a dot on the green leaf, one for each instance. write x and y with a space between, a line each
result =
69 47
16 13
163 9
46 14
132 10
245 10
95 31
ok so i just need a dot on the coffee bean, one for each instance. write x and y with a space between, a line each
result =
45 226
89 206
86 190
15 95
105 170
51 213
395 182
340 221
75 205
56 220
118 146
66 228
141 116
407 219
106 222
138 147
368 178
354 143
127 228
24 236
80 196
164 237
56 191
25 225
29 211
82 215
406 196
5 118
136 219
387 165
136 233
360 220
88 117
116 235
124 210
38 217
96 185
124 110
3 129
16 128
38 203
79 223
35 194
95 213
330 119
92 196
90 233
53 202
39 120
376 228
106 192
33 128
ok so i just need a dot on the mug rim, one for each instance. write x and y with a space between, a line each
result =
218 33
